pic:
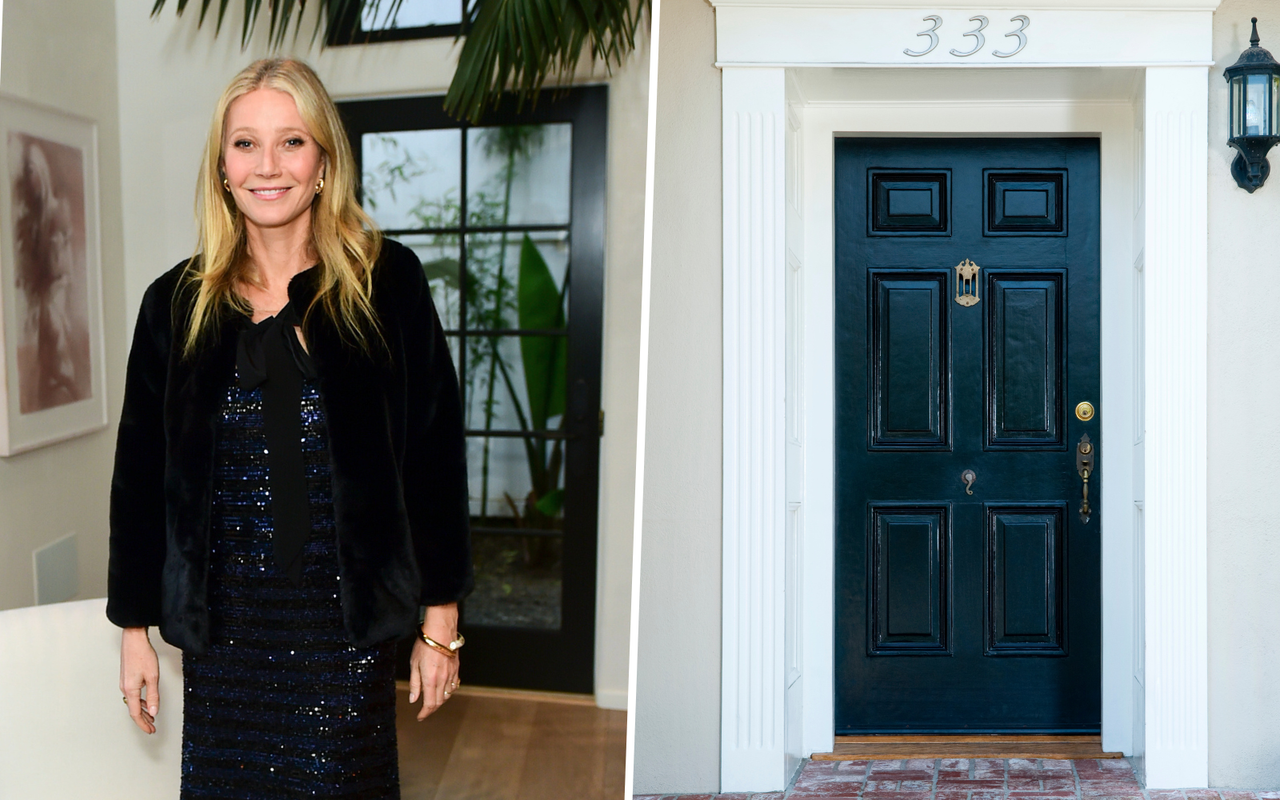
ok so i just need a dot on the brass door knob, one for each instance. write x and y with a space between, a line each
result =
1084 411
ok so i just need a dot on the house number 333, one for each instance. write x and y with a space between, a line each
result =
979 40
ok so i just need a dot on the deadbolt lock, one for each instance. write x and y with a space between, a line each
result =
1084 411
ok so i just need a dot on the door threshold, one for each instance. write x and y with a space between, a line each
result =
893 746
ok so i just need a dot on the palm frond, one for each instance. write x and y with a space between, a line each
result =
520 44
280 13
515 45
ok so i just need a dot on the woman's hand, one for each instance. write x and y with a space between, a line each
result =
432 674
139 667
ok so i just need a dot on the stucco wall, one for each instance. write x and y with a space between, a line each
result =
1244 438
55 490
677 740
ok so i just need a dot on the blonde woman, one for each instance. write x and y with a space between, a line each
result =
290 479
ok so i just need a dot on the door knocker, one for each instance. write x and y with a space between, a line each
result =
967 283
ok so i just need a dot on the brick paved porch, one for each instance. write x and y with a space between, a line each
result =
972 779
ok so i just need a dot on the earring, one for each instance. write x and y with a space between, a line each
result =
226 185
320 186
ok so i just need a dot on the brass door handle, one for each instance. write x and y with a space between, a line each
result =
1086 455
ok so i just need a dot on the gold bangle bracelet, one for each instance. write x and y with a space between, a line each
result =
450 650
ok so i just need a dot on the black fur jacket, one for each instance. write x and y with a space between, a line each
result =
397 455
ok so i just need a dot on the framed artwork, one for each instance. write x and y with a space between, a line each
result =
51 337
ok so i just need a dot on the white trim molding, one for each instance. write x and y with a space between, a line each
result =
1151 118
1175 413
752 659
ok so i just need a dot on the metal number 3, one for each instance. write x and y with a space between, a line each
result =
1022 37
975 33
933 37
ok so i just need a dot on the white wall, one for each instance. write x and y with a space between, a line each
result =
1244 437
628 124
677 738
39 36
170 77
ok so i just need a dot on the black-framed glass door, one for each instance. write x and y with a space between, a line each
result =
507 217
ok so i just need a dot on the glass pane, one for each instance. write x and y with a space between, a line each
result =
1275 105
519 175
377 16
454 344
1237 105
1256 106
412 178
439 256
515 383
518 580
511 287
516 483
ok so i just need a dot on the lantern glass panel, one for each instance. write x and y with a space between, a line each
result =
1237 105
1275 105
1257 106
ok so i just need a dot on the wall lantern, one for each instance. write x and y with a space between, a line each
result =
1255 113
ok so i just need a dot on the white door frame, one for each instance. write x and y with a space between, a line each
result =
777 674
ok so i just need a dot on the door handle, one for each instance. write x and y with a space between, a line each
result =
1086 461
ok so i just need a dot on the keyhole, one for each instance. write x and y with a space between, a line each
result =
968 476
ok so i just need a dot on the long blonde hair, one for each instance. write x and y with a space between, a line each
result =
345 238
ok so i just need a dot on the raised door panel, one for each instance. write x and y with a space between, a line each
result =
1025 587
909 566
909 203
1024 360
1025 203
910 397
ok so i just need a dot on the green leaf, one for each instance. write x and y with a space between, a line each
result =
550 503
280 12
520 44
540 305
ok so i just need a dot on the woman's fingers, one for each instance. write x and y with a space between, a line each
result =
144 720
431 676
444 683
139 669
415 679
151 680
432 687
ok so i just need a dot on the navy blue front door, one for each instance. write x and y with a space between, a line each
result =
966 325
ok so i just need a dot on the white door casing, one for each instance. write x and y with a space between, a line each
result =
793 79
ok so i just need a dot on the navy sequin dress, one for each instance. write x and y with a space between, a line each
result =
281 706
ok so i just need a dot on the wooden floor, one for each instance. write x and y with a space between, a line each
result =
504 745
854 748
